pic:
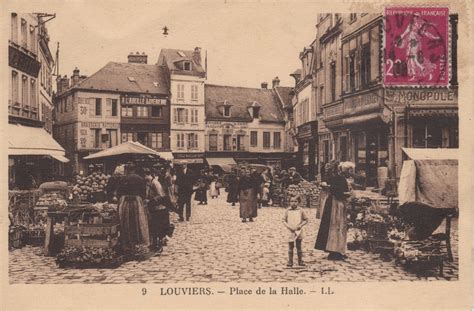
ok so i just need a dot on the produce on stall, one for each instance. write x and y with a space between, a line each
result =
307 191
86 186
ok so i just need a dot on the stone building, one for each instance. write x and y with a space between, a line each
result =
32 150
118 103
186 75
246 125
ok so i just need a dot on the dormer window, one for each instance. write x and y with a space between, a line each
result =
255 112
187 66
226 111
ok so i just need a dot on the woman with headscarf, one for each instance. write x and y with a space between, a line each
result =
332 234
248 195
134 225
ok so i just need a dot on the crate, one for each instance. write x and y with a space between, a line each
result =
92 229
85 242
16 238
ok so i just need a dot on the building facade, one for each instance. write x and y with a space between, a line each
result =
120 102
30 98
186 76
246 125
358 118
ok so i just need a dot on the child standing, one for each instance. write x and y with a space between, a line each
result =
294 220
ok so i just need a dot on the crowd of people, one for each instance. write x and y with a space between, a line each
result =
146 199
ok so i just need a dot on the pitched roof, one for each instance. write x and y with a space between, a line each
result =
241 98
119 77
285 95
170 58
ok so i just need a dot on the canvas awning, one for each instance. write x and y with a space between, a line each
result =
430 177
129 147
27 141
224 163
432 153
166 155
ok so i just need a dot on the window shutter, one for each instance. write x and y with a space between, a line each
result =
91 107
108 107
196 141
186 115
175 113
196 118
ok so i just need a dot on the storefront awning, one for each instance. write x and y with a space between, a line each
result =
225 164
166 155
432 153
129 147
26 140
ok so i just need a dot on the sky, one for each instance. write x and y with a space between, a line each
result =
246 43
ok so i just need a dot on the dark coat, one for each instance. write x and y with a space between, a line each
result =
185 182
132 184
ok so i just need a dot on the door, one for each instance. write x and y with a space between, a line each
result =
371 158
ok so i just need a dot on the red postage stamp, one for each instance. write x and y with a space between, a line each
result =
416 46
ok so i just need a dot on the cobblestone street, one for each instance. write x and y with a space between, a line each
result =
216 247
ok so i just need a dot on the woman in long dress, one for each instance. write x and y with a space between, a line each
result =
134 218
248 196
332 234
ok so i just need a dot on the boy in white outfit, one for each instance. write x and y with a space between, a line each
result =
294 220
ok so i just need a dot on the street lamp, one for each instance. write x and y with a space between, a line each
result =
165 31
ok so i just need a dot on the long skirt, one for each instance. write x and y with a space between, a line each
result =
134 226
232 195
160 222
213 190
201 195
332 234
248 203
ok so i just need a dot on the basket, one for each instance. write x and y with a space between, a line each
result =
16 237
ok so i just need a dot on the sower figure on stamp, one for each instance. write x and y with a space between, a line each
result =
294 220
185 183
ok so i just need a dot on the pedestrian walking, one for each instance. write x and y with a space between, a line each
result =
158 203
332 233
294 220
201 191
185 182
232 187
213 190
248 195
134 218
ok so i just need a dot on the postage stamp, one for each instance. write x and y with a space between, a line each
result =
416 46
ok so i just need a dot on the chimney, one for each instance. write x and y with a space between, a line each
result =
75 78
275 82
62 84
264 85
137 58
197 56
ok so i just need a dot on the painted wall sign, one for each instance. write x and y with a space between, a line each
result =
139 100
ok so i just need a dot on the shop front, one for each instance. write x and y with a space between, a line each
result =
307 137
360 127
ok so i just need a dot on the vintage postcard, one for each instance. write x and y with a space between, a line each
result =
237 155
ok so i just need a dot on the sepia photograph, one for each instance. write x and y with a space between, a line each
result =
167 143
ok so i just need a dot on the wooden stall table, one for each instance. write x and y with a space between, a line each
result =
54 217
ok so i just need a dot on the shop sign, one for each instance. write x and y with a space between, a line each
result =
83 138
141 100
332 111
218 124
307 130
422 96
100 125
23 62
198 155
363 102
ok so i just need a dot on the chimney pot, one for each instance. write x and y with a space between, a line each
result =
275 82
197 55
264 85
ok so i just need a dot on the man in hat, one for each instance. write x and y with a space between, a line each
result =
185 183
293 178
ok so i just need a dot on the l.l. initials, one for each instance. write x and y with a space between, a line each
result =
326 291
